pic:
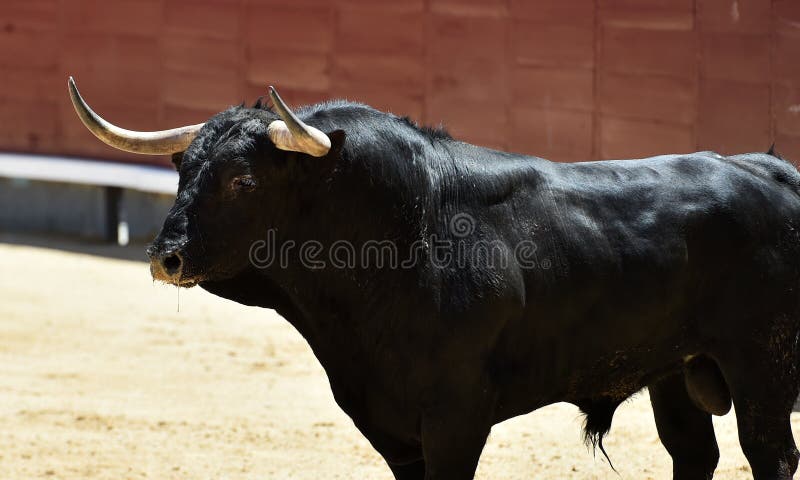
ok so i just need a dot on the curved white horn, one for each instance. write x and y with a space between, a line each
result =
292 134
162 142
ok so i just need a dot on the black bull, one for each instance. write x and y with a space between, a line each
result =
679 273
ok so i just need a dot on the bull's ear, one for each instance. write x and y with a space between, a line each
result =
337 141
177 158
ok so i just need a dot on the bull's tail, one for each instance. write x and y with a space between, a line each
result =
770 165
773 152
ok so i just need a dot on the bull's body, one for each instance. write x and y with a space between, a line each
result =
679 273
640 264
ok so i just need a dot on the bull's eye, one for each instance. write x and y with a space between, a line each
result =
243 183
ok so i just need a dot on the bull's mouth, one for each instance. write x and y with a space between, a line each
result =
187 282
178 279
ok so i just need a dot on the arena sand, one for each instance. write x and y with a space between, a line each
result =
102 378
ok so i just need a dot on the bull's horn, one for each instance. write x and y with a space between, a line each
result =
292 134
163 142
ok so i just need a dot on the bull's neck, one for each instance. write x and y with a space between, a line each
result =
338 263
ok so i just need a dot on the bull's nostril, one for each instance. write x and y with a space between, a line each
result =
172 264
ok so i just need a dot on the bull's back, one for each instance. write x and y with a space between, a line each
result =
628 210
642 252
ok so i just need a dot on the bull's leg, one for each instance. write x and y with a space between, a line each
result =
410 471
452 443
762 380
403 458
686 432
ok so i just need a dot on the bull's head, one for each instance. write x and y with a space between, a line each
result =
228 172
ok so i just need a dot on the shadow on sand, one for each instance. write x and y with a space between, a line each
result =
133 252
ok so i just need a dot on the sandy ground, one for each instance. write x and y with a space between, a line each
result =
102 377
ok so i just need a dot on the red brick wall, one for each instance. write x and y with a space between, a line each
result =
567 80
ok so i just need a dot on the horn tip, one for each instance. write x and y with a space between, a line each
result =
73 89
273 95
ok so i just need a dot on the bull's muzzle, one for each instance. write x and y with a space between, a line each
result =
168 267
